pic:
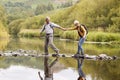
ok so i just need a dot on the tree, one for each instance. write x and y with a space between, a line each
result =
2 13
50 7
40 9
14 27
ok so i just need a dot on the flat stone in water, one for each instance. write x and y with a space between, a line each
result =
20 52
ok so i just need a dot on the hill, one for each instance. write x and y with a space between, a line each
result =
95 14
17 9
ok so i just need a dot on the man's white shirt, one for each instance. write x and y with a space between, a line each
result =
48 28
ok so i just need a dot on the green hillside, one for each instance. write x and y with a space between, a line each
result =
21 9
95 14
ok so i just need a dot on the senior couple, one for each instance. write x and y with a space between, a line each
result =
48 28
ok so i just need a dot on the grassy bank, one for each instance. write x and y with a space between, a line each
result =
29 33
3 31
103 36
92 36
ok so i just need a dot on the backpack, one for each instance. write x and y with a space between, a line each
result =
85 28
50 26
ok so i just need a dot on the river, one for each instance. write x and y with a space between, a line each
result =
27 68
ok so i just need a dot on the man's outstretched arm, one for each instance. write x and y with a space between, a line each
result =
75 28
64 29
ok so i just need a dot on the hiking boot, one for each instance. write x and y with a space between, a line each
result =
55 55
76 55
57 52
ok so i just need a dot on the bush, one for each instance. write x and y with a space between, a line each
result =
14 27
3 31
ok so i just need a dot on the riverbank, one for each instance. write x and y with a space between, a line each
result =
92 36
3 31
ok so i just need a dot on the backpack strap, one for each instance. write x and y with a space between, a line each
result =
49 24
52 27
84 28
79 30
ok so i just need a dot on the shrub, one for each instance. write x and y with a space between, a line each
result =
14 27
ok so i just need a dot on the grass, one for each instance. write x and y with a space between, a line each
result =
92 36
103 36
3 31
3 43
29 33
70 35
3 34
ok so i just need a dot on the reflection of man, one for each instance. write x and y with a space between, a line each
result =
81 74
48 69
48 28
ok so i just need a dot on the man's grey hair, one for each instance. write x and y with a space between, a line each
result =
47 18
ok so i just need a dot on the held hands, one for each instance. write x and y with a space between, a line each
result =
65 29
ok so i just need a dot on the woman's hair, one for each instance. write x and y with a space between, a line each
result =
81 78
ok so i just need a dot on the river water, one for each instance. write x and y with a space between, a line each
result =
27 68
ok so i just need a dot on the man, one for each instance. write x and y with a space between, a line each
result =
48 28
82 33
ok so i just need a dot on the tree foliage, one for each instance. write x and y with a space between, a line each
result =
14 27
42 8
66 4
94 13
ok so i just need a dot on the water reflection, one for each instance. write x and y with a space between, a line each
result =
80 71
12 68
48 68
48 71
98 70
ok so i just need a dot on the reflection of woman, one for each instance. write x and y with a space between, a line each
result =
81 74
